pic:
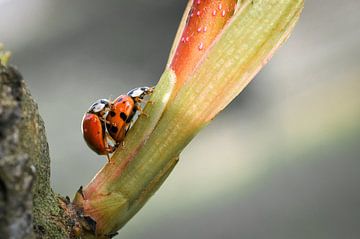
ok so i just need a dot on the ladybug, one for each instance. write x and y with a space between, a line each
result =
94 129
122 111
107 121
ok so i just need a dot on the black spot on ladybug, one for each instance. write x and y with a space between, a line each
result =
112 113
130 118
113 129
120 99
123 116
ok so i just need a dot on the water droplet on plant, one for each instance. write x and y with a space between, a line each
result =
205 29
201 46
220 6
223 13
198 13
198 2
214 12
199 29
183 39
187 39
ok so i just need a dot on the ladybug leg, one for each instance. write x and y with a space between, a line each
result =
108 137
105 121
140 100
141 112
122 145
108 158
110 149
146 101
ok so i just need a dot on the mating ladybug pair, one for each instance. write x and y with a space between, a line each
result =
105 124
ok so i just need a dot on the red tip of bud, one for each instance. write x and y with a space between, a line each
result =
205 21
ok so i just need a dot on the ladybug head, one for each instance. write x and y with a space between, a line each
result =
99 106
140 92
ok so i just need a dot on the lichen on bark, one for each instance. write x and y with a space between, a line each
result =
28 206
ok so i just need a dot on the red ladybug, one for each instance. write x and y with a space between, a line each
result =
122 111
107 122
94 129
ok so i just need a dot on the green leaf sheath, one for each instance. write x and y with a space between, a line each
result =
153 144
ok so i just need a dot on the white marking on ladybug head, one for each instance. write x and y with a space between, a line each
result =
140 92
137 92
99 106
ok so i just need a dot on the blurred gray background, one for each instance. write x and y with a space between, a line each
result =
282 161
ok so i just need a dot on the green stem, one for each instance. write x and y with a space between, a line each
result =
153 144
122 186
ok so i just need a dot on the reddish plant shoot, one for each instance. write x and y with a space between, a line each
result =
205 21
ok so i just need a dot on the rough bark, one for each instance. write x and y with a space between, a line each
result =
28 206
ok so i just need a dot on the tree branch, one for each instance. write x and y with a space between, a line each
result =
26 199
